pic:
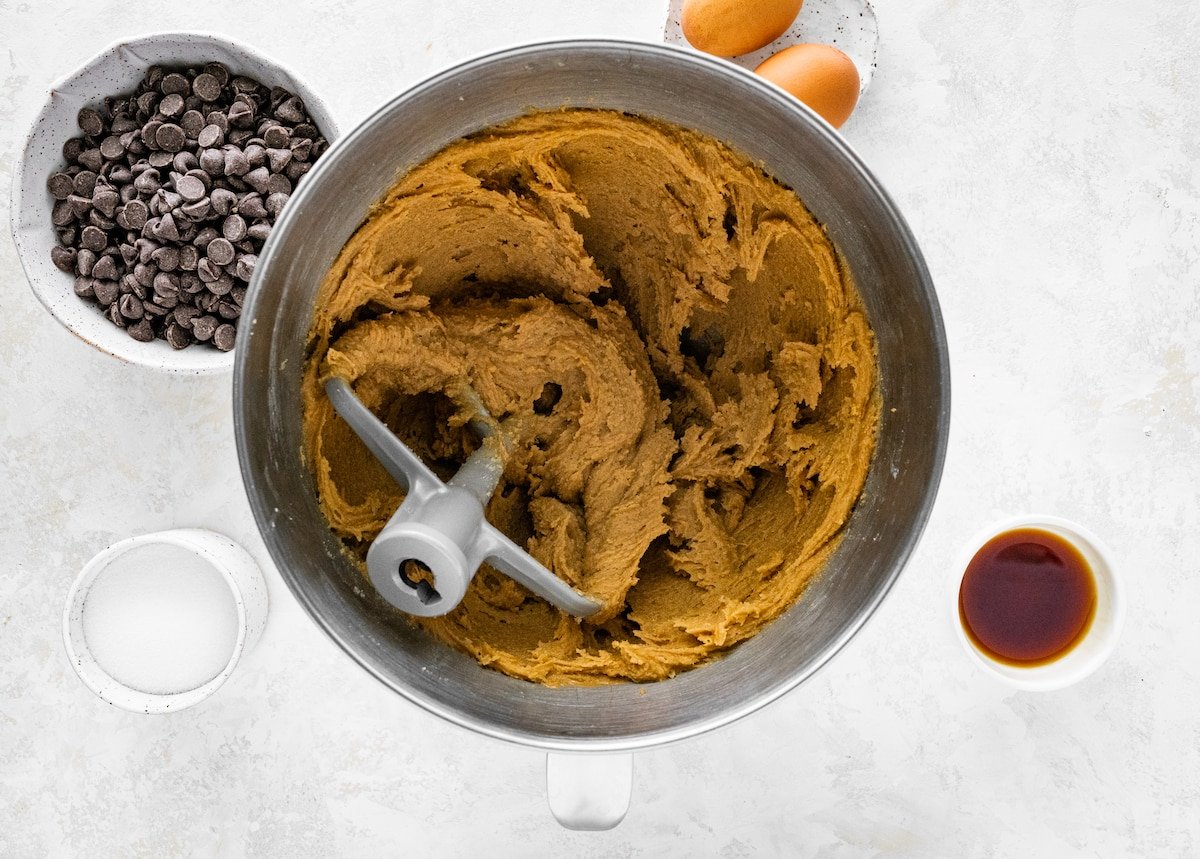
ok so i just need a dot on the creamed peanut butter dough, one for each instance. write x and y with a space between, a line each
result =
692 373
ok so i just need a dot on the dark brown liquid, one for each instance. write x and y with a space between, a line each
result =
1027 597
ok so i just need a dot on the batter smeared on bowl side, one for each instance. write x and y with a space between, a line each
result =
692 372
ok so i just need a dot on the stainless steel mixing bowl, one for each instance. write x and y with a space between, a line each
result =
700 92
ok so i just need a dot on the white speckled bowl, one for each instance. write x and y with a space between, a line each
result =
240 572
118 69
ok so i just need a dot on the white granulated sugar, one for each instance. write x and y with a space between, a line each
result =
160 619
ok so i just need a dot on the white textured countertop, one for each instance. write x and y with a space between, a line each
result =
1046 156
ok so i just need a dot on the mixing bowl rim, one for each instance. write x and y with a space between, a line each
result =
782 101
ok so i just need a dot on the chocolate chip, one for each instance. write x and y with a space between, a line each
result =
256 155
85 183
241 115
105 269
245 266
228 309
275 203
210 136
91 159
192 123
141 330
258 178
234 228
90 122
150 132
223 200
171 105
167 229
166 258
259 231
221 286
217 71
198 210
203 327
184 314
105 290
190 188
174 84
136 213
147 182
277 159
220 251
170 137
219 119
206 86
212 161
63 258
97 219
85 287
188 257
128 284
185 162
113 314
240 136
251 205
177 336
166 285
296 169
204 236
301 149
111 147
290 111
279 184
236 163
62 214
71 149
60 185
145 273
130 306
190 284
93 238
207 270
224 336
80 206
106 200
85 260
276 137
146 102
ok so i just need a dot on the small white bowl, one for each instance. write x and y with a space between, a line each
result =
1097 644
118 69
245 582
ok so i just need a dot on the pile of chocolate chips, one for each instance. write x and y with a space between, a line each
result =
168 196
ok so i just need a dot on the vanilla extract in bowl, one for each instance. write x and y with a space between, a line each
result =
1028 597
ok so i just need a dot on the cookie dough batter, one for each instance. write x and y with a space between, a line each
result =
689 363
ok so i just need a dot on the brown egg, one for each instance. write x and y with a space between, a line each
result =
821 76
731 27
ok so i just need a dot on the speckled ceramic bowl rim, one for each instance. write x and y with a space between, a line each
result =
239 571
136 353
